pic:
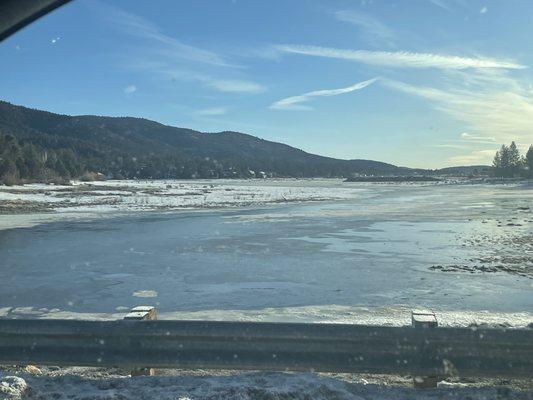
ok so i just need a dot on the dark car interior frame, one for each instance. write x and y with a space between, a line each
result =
16 14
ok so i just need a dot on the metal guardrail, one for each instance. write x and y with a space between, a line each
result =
269 346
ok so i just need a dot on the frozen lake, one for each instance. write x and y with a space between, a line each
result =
447 247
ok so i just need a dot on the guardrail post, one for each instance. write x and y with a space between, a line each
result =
424 319
146 313
142 313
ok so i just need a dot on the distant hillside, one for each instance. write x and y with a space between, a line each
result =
466 170
41 145
392 179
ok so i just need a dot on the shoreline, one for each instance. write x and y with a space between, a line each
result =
320 314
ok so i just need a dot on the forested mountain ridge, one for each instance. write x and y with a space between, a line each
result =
39 145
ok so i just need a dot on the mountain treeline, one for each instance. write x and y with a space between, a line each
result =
508 163
41 146
21 160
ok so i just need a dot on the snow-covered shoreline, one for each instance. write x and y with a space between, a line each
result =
327 313
172 194
31 204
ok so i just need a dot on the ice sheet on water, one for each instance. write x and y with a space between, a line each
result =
145 293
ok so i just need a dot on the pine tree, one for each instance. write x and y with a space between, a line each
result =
501 161
497 162
529 161
515 161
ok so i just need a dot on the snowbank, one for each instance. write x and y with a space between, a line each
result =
330 313
92 384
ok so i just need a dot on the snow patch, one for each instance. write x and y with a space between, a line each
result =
145 293
243 386
12 387
327 313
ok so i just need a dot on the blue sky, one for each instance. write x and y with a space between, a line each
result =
421 83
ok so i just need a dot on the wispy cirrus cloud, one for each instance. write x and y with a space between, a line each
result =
214 83
233 85
447 5
174 48
371 29
491 114
400 59
466 141
474 157
294 102
494 108
212 111
130 89
169 57
447 146
468 137
441 4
